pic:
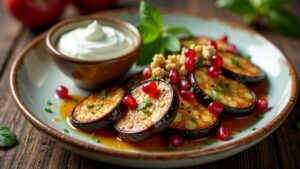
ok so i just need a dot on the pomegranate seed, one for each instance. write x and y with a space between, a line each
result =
130 102
215 108
262 105
213 44
223 134
147 73
190 63
217 60
174 76
190 53
176 140
187 95
214 71
150 87
185 84
224 38
62 92
232 49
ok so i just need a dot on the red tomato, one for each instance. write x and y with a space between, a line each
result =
88 6
36 14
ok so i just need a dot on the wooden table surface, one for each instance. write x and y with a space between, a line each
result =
280 150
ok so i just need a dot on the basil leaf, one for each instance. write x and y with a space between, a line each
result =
151 15
7 138
238 6
148 31
284 22
178 31
171 43
148 51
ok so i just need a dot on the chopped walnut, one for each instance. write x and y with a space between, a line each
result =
158 72
208 52
158 61
172 62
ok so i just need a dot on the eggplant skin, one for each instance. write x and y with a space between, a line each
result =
104 121
242 78
159 126
196 134
227 110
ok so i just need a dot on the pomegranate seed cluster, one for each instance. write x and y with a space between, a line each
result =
183 63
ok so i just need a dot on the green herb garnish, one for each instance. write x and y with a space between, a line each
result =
103 94
254 12
254 128
260 116
154 78
188 106
146 111
208 142
236 62
66 131
170 147
226 92
215 95
75 100
47 109
97 140
49 103
89 106
192 89
248 57
144 104
194 119
206 97
156 38
199 63
98 107
7 138
192 42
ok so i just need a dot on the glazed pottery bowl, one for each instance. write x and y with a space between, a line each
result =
92 74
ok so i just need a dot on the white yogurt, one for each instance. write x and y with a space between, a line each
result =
95 42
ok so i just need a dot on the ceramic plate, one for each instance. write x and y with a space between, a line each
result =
34 78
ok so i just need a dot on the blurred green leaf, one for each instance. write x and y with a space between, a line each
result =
238 6
268 3
148 50
178 31
7 138
148 31
171 43
284 22
151 15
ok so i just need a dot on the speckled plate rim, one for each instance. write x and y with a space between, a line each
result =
52 132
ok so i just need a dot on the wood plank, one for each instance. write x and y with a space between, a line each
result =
9 28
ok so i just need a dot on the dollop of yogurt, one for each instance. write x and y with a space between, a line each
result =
95 42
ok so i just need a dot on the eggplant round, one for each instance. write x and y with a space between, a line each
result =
99 109
237 99
153 114
240 68
193 121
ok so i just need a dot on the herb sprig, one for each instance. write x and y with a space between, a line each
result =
156 37
7 138
255 11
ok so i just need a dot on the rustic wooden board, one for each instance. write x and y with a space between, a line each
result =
280 150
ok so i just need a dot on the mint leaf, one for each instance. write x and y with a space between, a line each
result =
238 6
148 31
151 15
178 31
144 104
7 138
149 50
171 43
284 22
